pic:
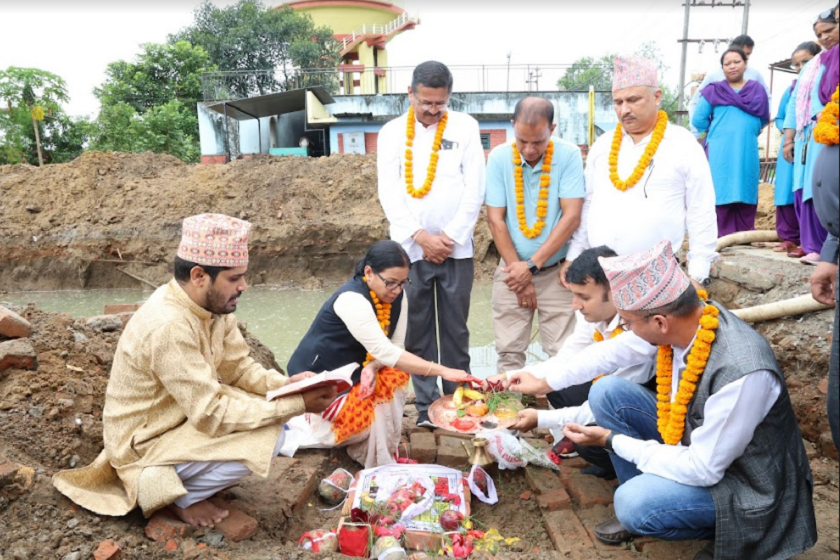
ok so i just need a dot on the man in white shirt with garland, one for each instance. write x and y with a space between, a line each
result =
430 165
648 181
534 199
716 453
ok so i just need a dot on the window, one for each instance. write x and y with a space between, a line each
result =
485 140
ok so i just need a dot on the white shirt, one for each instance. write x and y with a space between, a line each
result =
626 353
584 337
730 418
359 317
674 197
454 202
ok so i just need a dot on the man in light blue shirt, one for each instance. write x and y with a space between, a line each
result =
746 44
534 197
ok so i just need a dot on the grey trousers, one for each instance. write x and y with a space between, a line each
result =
834 373
449 286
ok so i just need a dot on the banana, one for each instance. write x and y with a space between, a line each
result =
458 397
473 395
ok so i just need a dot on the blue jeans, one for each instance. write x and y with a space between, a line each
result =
647 504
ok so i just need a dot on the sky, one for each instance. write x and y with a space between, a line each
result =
77 39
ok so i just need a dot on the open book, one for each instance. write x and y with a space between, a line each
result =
340 377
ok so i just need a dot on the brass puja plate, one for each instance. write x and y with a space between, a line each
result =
444 414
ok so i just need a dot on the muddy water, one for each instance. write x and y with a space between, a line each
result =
278 317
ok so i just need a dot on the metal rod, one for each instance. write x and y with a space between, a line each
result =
684 58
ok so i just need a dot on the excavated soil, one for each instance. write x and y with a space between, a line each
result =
313 218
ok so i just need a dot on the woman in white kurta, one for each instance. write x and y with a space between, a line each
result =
364 322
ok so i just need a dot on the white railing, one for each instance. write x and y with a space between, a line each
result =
376 29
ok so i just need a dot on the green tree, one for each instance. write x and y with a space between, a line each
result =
589 71
150 103
260 43
161 73
33 124
586 72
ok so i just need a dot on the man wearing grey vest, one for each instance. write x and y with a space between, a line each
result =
716 453
825 281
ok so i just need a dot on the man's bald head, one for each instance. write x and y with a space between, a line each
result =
534 111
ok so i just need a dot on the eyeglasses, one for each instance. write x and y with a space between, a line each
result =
625 325
826 16
428 106
389 285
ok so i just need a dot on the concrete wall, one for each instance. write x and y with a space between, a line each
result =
367 113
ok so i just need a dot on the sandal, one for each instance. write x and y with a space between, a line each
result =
785 247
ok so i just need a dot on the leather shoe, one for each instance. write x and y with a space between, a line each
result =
797 253
613 532
707 553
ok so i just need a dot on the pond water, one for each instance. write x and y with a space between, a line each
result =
278 317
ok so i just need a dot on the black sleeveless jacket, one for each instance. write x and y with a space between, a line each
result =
328 344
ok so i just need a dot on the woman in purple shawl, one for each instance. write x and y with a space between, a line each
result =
831 75
732 112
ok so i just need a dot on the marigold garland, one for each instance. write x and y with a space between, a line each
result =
357 414
827 131
671 414
598 337
644 162
433 159
542 202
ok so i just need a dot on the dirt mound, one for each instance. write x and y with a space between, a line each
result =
60 224
765 218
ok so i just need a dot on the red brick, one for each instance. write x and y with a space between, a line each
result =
677 550
573 463
171 545
371 140
542 481
13 325
107 550
525 496
17 354
117 308
588 491
555 500
238 526
568 534
451 452
424 448
164 526
212 160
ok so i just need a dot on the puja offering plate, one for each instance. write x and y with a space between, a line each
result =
473 415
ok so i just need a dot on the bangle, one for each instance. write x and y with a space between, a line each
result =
416 234
429 371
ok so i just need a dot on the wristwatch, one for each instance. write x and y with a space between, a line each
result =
705 282
608 445
532 267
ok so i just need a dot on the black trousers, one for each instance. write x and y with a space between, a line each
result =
439 306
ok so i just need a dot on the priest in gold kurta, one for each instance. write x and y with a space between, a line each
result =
185 409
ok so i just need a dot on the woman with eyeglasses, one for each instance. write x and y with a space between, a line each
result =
787 224
799 146
364 322
732 113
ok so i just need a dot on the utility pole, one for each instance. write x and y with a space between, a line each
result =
509 54
746 21
684 58
534 78
685 40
